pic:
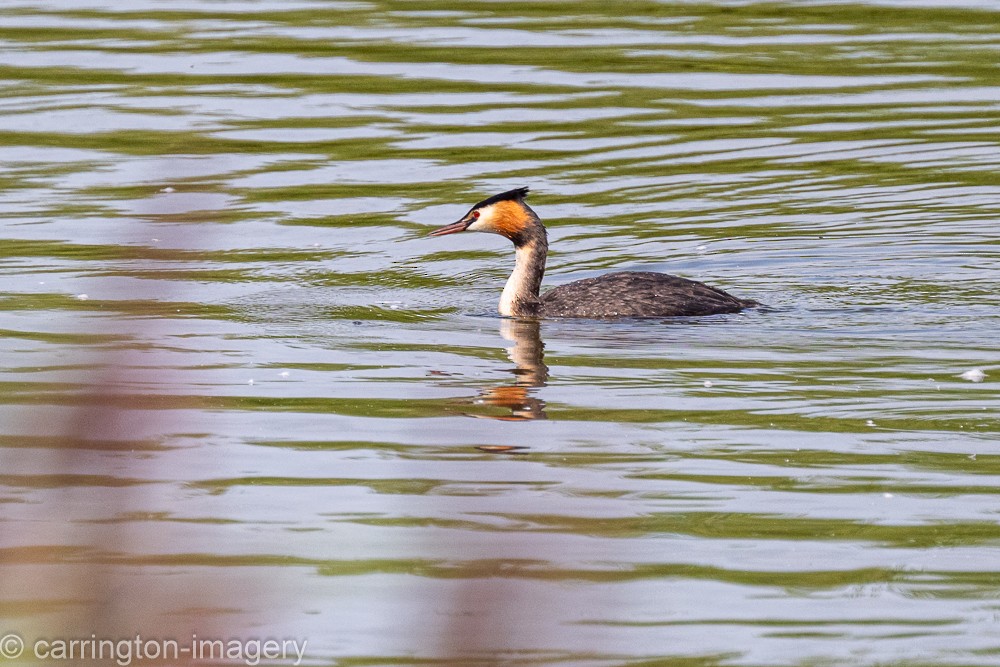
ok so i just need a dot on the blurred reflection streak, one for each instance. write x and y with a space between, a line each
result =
527 353
95 536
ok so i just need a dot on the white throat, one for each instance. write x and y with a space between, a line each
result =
518 287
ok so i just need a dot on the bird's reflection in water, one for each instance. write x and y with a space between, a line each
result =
530 372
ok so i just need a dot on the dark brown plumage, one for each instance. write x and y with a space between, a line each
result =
638 294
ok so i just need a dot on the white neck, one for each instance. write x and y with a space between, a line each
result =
525 280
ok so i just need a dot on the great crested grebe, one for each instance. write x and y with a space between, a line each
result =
626 294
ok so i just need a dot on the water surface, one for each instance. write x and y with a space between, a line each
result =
245 395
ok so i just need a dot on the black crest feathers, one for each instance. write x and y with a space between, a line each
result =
517 194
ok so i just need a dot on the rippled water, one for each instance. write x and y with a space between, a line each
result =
244 394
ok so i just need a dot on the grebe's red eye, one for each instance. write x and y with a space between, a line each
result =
475 215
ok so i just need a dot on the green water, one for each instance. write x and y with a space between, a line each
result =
244 395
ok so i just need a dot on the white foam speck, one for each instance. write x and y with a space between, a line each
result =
284 374
168 189
974 375
250 382
869 423
708 383
82 297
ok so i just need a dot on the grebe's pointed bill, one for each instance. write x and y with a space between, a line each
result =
454 227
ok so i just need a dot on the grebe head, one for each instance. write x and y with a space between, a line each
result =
505 214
